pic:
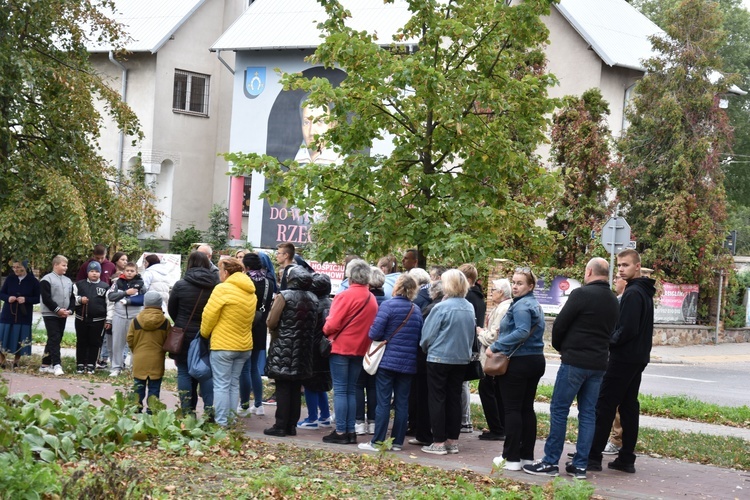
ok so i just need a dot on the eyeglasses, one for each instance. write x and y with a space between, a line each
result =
523 270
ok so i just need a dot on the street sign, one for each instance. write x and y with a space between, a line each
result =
616 235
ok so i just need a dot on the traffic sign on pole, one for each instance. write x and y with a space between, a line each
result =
615 238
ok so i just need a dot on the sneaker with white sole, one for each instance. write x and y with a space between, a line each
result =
371 428
115 373
504 464
360 428
396 447
243 412
367 446
574 471
467 428
452 449
611 449
307 424
435 449
58 370
46 369
257 410
417 442
324 424
542 468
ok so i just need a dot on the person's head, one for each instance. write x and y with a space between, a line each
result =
131 269
60 265
99 253
436 272
388 264
377 278
436 290
523 281
470 271
421 276
252 261
406 286
620 284
239 254
206 250
285 253
321 285
409 260
19 269
501 290
228 267
455 283
119 259
596 269
358 272
152 299
198 259
94 270
629 264
150 260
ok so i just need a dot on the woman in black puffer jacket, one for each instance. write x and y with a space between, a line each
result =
317 386
292 322
189 296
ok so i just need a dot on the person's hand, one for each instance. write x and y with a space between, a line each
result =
132 291
489 352
12 299
21 300
63 313
84 300
107 326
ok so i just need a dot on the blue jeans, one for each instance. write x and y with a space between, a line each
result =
573 382
399 385
226 367
250 379
344 374
187 390
317 400
139 387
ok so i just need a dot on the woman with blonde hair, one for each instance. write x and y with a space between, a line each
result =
447 338
227 320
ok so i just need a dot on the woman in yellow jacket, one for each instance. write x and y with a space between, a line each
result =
227 320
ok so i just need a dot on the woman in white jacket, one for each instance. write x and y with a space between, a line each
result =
156 277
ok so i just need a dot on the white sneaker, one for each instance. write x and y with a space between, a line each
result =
58 370
243 412
501 462
371 428
115 373
610 449
257 410
366 446
46 369
360 428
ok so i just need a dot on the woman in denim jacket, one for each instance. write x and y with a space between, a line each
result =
521 337
447 338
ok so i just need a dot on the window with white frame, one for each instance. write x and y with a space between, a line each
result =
190 93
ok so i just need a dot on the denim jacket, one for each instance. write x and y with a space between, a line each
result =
523 314
448 332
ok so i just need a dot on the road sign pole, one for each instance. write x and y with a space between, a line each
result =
612 252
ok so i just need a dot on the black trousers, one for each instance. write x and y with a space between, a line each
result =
619 388
288 404
518 389
55 326
420 400
444 386
492 403
88 341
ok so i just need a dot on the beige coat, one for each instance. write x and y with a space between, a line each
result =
487 336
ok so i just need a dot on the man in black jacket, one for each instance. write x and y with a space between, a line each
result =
629 353
581 333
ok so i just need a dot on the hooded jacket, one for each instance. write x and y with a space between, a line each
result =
146 342
321 287
633 335
228 316
193 290
476 297
292 322
156 279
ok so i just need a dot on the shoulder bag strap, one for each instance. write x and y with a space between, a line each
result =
266 286
194 306
402 324
522 342
353 316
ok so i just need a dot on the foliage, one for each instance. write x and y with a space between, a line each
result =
580 149
109 480
739 220
151 245
218 226
130 245
183 239
57 194
26 478
461 94
670 180
735 309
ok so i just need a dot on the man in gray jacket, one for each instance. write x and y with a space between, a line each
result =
56 291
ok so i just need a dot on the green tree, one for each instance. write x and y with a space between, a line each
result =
57 194
464 107
671 182
581 143
218 226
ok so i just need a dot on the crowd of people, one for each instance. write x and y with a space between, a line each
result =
280 322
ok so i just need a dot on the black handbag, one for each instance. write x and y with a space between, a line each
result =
474 369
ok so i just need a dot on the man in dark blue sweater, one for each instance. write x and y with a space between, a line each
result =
581 333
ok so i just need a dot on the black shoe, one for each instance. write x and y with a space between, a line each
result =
491 436
575 471
80 369
622 466
274 431
594 466
90 369
292 431
541 468
336 438
352 438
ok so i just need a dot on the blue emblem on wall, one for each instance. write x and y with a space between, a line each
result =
255 81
